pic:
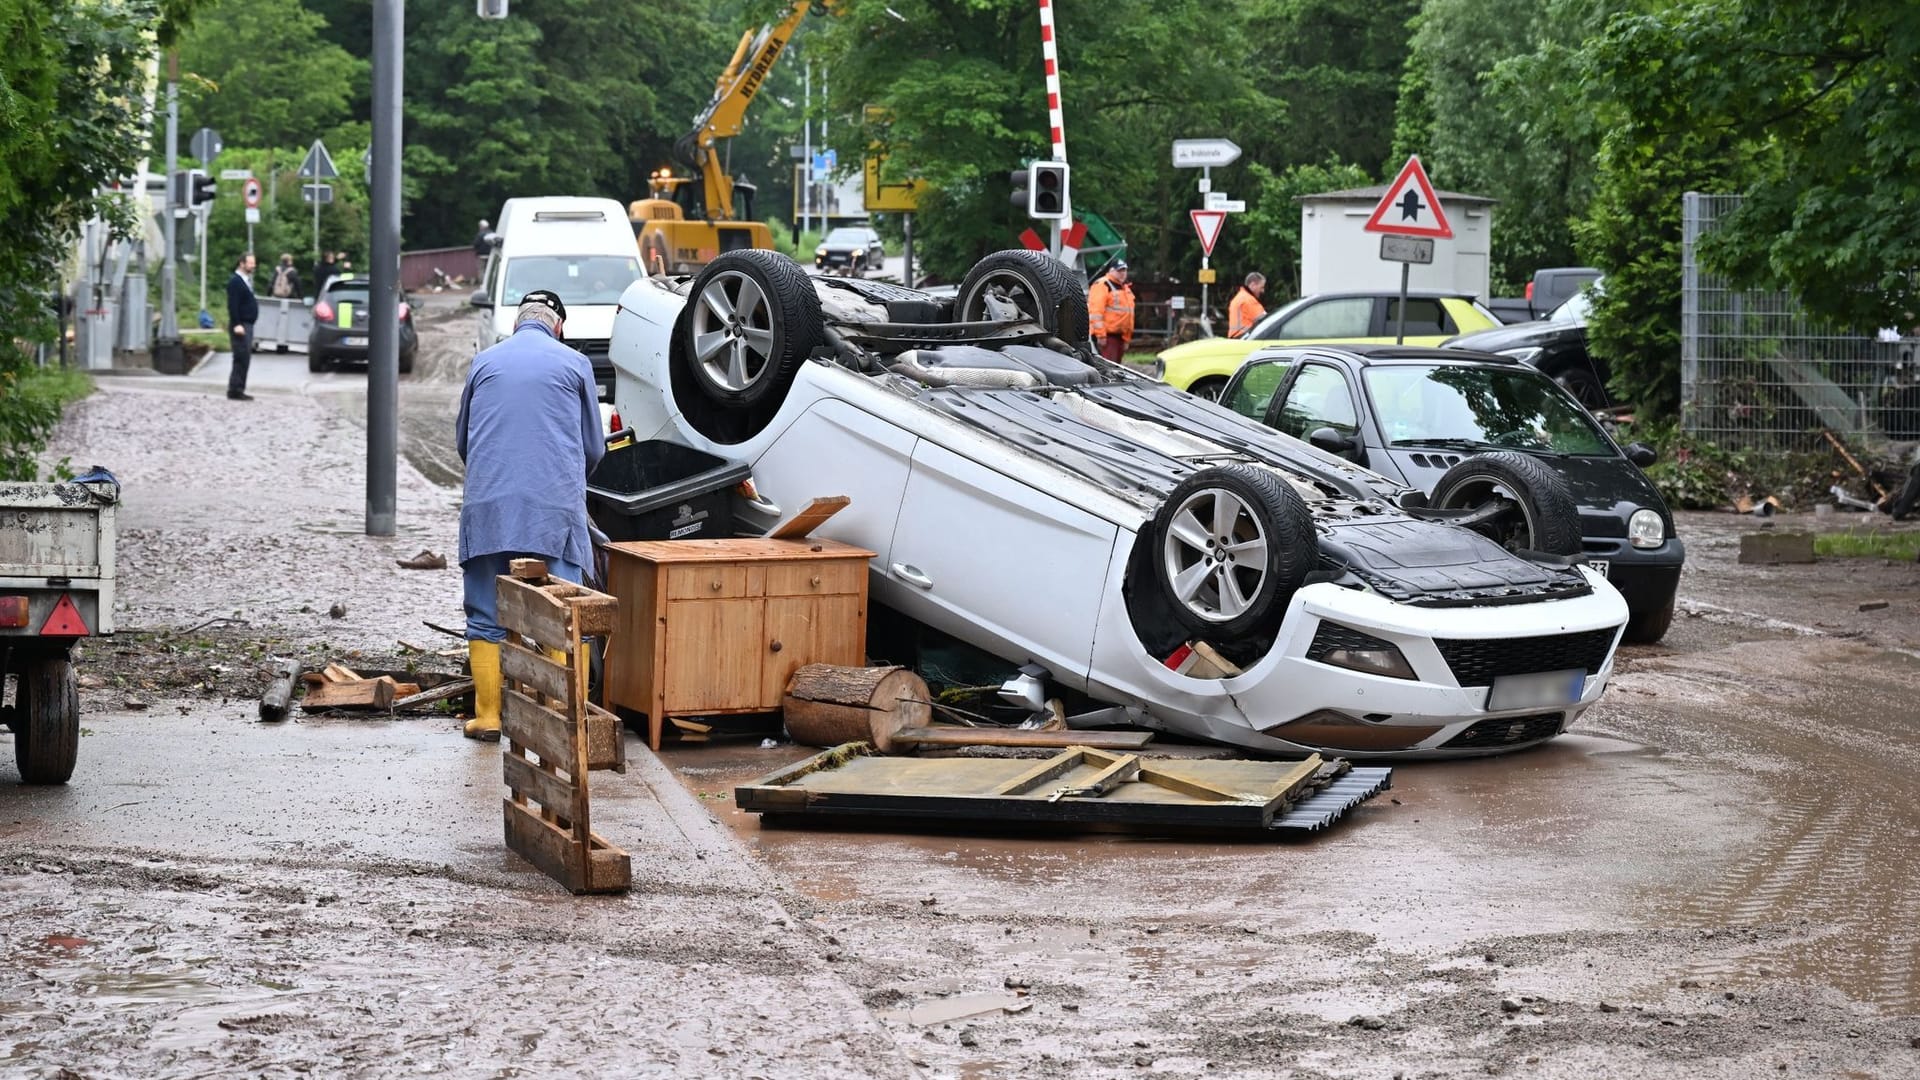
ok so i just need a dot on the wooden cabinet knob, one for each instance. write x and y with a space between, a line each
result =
775 647
714 585
814 581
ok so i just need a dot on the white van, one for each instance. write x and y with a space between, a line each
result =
581 248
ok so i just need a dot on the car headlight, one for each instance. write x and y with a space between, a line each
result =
819 253
1645 529
1525 355
1345 647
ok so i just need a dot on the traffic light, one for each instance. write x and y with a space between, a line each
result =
200 187
1047 191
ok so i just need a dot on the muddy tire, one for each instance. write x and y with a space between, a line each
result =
1230 546
1647 627
1544 517
1209 388
46 737
752 317
1033 281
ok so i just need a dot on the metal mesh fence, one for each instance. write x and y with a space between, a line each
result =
1756 373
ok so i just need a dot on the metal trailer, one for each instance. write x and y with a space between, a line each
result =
56 587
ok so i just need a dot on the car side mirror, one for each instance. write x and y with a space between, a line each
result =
1641 454
1325 438
480 299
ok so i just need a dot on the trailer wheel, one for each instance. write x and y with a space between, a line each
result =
752 316
46 737
1230 546
1032 281
1541 513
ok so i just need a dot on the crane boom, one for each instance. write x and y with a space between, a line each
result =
724 115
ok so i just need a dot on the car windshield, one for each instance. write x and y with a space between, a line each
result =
849 236
578 279
1467 407
1574 310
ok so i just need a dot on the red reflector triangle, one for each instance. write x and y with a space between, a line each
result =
65 620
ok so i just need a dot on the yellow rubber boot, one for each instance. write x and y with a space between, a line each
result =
484 658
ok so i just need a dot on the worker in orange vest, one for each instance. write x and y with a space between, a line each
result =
1110 311
1245 309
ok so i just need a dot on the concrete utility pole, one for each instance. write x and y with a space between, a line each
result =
383 310
167 353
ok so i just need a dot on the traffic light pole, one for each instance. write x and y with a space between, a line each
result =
383 309
202 214
169 339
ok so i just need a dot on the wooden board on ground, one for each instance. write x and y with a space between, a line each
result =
1080 786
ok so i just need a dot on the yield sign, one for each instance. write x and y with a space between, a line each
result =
1410 208
1206 225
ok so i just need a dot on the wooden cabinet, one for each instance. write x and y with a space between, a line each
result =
709 627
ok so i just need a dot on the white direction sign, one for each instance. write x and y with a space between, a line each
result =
1204 153
1206 225
253 215
318 164
235 174
1407 249
1217 200
1410 208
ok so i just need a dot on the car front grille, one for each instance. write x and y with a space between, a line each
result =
1479 661
1508 731
1602 525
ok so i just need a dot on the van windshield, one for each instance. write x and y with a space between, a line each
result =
578 279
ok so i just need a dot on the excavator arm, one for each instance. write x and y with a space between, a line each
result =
724 115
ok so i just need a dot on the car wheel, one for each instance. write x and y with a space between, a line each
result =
1584 385
1032 281
46 739
1540 514
1647 627
1230 546
1208 388
752 318
317 362
406 363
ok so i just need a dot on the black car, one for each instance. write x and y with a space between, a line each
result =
1557 345
850 249
339 334
1413 414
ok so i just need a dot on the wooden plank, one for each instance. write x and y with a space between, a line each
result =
1188 786
738 549
1051 769
532 613
531 782
535 671
594 615
446 690
609 869
606 740
548 734
340 673
951 735
810 517
1118 770
364 694
533 571
551 851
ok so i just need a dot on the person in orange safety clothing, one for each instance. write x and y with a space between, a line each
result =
1110 311
1245 309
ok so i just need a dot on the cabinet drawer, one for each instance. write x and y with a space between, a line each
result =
706 582
819 577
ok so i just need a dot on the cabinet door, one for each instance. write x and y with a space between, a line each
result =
810 630
714 654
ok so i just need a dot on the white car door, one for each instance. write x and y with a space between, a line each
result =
996 562
836 449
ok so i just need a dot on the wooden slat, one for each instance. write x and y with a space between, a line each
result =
1188 786
594 615
606 742
365 694
810 517
731 550
530 570
1118 770
532 782
609 869
1285 786
542 731
522 665
953 735
533 614
1051 769
453 689
549 849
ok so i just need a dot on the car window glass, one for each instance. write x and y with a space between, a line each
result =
1514 407
578 279
1347 317
1253 391
1425 317
1319 398
1574 311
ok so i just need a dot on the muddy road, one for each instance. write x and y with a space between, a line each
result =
1712 876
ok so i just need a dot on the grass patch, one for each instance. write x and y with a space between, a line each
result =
1868 544
32 400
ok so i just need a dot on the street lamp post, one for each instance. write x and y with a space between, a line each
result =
383 309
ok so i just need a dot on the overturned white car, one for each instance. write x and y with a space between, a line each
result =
1037 502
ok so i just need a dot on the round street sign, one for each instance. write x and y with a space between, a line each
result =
250 191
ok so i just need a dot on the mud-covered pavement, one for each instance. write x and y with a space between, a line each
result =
1711 877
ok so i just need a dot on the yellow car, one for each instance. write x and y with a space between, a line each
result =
1203 367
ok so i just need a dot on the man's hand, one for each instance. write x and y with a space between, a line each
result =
239 331
1099 341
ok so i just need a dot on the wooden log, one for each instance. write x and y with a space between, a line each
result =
945 735
826 704
279 696
454 689
364 694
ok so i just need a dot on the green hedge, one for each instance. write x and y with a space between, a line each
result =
31 402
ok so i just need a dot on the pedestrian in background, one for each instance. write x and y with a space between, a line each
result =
323 272
481 245
529 432
1246 308
1110 311
286 279
243 310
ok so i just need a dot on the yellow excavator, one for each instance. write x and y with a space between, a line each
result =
685 222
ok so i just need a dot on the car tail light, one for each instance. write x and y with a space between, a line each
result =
613 422
406 312
13 612
323 311
1529 290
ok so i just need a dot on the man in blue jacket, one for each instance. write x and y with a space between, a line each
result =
529 431
243 310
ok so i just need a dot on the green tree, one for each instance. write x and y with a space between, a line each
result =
261 73
1272 220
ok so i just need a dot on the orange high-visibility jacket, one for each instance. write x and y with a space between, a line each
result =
1243 313
1110 308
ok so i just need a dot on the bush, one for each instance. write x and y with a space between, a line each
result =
31 401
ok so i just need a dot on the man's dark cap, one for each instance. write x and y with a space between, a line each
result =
1117 264
548 299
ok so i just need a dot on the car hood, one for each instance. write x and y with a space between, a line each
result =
1517 336
1209 349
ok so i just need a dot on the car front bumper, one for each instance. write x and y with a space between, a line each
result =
1647 577
352 343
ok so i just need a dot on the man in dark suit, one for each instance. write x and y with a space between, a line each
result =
243 310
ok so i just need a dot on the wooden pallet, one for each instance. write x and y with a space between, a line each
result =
552 736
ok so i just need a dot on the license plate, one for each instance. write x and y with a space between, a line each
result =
1540 690
1603 566
353 341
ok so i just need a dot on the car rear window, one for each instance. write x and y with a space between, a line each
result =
347 296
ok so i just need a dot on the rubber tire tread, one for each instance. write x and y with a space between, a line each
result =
798 327
1547 495
1293 548
317 364
1647 627
1064 302
46 741
1199 387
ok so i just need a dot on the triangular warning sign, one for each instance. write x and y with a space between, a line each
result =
1410 208
1206 225
64 620
318 164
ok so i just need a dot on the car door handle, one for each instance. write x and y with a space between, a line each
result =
912 575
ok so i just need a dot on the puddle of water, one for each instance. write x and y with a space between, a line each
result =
958 1007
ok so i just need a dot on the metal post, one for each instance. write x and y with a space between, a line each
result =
906 270
1206 320
201 223
169 319
316 216
806 142
383 309
1400 324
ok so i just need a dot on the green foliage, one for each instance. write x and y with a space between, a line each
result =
1694 474
260 73
1272 220
31 401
